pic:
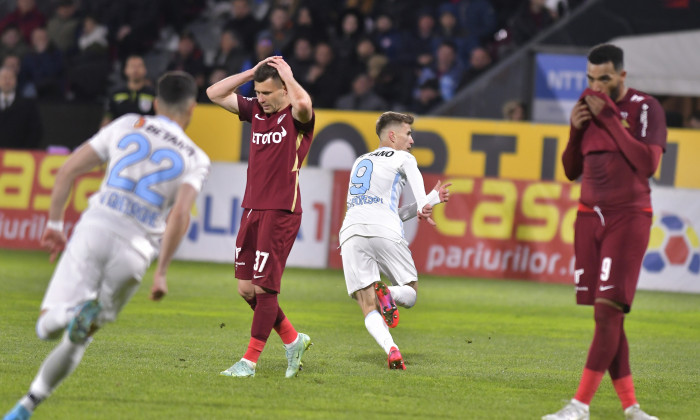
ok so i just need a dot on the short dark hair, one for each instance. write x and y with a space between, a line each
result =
176 89
391 117
603 53
265 72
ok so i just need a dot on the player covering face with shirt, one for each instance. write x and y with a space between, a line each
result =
617 137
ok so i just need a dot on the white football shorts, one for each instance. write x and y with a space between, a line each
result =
364 258
96 264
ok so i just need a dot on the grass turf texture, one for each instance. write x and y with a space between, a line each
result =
474 349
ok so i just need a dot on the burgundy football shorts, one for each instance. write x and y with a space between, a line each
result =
609 249
264 241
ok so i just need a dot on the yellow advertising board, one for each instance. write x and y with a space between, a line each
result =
453 146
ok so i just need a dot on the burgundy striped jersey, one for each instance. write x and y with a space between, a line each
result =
278 146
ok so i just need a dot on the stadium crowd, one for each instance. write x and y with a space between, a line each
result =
407 55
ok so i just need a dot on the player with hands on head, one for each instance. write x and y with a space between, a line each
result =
616 140
154 173
282 126
372 238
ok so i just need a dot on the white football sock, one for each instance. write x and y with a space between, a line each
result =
57 366
51 324
404 295
377 328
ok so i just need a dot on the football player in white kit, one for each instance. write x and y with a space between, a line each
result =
372 238
154 173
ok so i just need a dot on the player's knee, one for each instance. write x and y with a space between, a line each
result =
247 293
42 332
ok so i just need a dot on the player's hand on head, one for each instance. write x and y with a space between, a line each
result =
53 241
282 67
160 287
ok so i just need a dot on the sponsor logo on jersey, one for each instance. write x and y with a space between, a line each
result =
258 117
279 120
604 288
267 138
140 122
636 98
359 200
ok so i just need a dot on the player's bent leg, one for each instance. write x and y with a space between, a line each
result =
574 410
247 290
387 305
52 322
406 295
84 324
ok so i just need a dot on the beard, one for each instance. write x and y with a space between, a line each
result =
615 93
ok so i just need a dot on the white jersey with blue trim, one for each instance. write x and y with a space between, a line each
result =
148 159
376 182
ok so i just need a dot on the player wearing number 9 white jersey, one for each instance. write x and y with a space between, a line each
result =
372 238
154 173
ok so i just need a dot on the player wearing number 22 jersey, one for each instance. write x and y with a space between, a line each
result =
617 137
154 173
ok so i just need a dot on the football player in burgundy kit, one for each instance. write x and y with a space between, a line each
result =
617 137
282 120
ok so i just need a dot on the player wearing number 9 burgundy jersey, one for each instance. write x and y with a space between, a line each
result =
282 121
617 137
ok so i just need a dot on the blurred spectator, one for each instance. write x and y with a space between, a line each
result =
694 121
419 47
402 12
449 31
12 43
478 18
362 97
514 110
89 67
63 26
479 62
307 25
302 59
20 124
24 88
44 66
428 97
364 51
531 18
263 49
322 78
93 36
447 70
133 24
243 23
135 97
180 13
231 55
393 85
26 17
345 39
190 59
217 74
279 31
387 38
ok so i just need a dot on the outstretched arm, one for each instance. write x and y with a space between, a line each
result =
79 162
302 110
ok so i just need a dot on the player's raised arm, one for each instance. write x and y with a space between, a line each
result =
301 101
223 92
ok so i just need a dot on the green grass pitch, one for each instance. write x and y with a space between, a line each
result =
474 349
